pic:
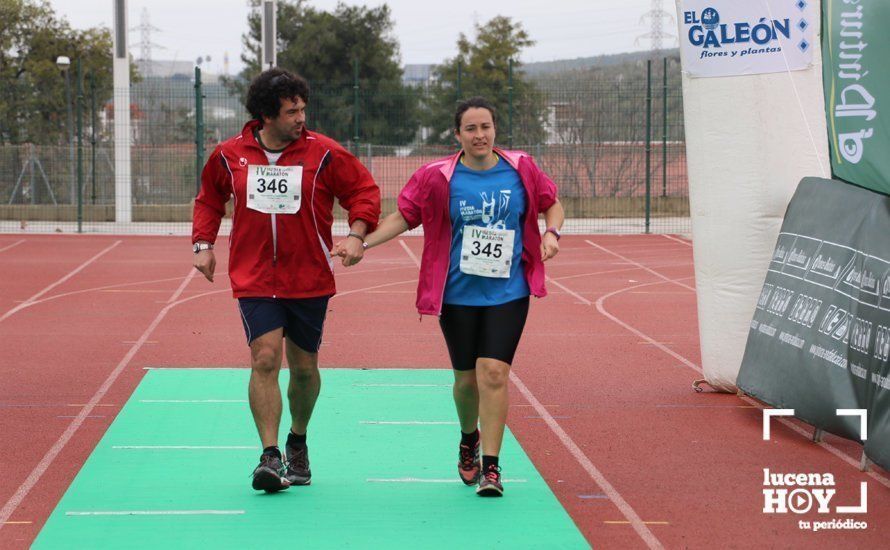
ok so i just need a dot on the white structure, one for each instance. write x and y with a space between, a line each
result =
123 190
749 141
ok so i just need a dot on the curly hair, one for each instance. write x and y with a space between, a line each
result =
477 102
270 87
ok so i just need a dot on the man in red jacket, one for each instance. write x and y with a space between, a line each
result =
284 179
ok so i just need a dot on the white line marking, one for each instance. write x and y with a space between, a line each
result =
641 266
652 341
193 400
408 250
409 423
85 290
402 385
583 300
427 480
626 510
187 447
74 272
797 429
159 513
5 248
671 237
66 436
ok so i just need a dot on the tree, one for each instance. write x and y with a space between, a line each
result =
484 67
323 47
32 89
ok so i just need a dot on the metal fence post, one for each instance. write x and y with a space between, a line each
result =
93 123
356 105
648 142
79 146
199 129
664 127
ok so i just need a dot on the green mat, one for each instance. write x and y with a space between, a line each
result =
174 471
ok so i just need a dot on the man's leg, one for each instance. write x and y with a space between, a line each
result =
492 376
304 386
263 391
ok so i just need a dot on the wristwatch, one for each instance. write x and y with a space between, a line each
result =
554 231
197 247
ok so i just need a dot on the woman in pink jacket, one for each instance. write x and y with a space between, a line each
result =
482 257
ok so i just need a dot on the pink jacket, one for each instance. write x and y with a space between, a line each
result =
425 200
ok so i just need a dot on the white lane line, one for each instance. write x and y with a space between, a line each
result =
672 238
649 340
626 509
409 423
5 248
854 462
428 480
411 254
641 266
193 400
158 513
16 499
582 299
402 385
74 272
187 447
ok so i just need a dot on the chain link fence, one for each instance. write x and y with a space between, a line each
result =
615 148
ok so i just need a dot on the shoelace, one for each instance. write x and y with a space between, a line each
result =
299 460
493 473
467 456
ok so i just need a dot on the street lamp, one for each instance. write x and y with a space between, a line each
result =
64 63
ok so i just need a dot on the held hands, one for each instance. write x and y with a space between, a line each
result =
350 249
549 246
205 262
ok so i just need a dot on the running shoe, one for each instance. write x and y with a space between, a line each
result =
269 475
298 472
490 483
468 465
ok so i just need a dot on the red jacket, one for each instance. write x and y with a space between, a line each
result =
425 200
283 255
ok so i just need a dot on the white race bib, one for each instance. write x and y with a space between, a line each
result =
274 189
487 252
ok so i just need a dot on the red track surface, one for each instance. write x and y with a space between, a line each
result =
594 354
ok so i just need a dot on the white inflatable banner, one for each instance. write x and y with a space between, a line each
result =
749 141
730 38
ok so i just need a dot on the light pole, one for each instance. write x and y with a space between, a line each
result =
64 63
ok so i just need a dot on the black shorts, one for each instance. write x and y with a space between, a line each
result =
472 332
302 319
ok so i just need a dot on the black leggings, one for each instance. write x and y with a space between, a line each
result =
493 332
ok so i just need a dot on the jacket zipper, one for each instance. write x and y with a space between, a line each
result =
274 241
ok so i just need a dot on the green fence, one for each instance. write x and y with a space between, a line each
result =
614 146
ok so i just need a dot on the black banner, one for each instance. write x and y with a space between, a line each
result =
820 337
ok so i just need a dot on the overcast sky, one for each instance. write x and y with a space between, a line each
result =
427 31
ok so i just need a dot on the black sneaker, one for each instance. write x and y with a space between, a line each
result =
468 465
298 472
269 475
490 483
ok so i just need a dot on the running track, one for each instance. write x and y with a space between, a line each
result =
601 394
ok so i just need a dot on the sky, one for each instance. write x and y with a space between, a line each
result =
426 31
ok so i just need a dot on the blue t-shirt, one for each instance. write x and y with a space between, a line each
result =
495 199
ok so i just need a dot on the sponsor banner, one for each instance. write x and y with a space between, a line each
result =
730 38
855 46
820 337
